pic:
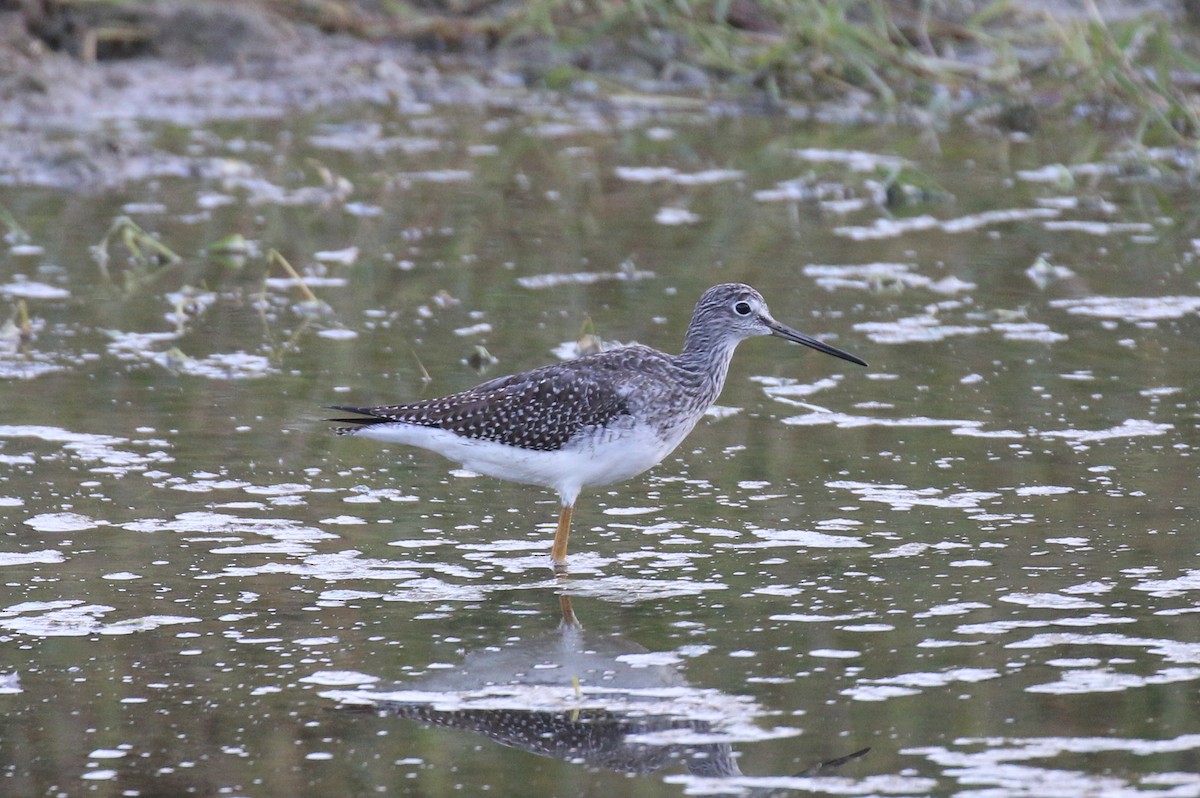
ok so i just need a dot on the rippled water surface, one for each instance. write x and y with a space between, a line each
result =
976 558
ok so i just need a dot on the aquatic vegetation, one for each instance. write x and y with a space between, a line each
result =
1139 63
274 258
15 235
231 251
17 330
147 255
1006 62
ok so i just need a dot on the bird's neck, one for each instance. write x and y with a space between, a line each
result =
705 359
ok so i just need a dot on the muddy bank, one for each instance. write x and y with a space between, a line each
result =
74 123
76 84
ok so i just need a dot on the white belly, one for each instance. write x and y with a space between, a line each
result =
612 455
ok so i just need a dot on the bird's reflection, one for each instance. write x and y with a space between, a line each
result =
581 697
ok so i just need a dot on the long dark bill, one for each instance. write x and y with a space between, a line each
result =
797 337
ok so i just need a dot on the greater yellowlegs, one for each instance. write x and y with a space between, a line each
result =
591 421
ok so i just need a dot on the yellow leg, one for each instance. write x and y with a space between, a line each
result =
568 612
558 554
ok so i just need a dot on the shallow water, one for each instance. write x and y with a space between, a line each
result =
976 558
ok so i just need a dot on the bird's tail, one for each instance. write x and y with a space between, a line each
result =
365 419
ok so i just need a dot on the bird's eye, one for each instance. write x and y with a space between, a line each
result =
742 308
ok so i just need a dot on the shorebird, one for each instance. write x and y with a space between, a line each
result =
598 419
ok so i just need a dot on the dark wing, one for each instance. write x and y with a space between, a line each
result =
539 410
